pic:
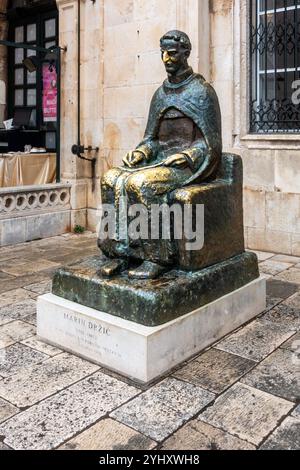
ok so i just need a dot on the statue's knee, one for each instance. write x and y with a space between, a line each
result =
110 177
135 183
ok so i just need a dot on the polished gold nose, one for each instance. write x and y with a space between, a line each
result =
166 57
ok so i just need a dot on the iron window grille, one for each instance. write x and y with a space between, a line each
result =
275 66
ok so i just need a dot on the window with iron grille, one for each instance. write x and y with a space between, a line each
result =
275 66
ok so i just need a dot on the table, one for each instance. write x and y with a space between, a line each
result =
23 169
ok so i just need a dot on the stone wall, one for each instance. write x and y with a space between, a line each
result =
73 170
271 162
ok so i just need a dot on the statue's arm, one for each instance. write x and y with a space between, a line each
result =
201 159
196 155
148 147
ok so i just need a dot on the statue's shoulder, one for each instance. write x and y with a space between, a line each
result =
202 82
204 88
159 91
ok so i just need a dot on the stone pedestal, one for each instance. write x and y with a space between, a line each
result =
141 352
152 302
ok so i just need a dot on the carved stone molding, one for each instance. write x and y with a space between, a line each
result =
27 200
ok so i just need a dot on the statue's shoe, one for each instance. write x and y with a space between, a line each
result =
112 267
147 270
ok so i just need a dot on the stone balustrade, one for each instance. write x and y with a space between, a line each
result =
32 212
33 199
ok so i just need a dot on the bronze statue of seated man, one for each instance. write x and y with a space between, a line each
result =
182 145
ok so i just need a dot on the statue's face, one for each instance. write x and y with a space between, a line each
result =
174 56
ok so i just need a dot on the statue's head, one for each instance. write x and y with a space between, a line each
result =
175 51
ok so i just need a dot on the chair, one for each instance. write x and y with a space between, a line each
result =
223 215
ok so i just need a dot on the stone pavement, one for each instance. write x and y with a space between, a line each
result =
242 393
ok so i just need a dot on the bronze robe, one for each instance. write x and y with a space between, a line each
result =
183 118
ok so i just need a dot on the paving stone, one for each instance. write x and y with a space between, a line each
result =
280 289
32 319
23 267
247 413
17 262
7 253
14 332
4 319
109 435
14 296
291 275
284 315
293 344
40 288
256 340
19 310
38 345
38 382
279 374
158 412
55 250
296 412
197 435
273 267
21 281
215 370
5 276
285 437
75 236
57 419
263 255
73 258
47 243
293 301
82 244
286 259
6 410
265 275
271 302
57 256
18 357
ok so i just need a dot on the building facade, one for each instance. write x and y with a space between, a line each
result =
247 49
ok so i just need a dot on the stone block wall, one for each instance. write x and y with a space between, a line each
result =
271 162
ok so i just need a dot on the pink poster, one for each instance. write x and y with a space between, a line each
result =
49 94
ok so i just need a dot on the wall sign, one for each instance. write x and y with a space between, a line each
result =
49 94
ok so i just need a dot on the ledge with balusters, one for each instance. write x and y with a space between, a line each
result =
33 212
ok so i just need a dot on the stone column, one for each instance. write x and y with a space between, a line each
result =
222 64
3 60
73 170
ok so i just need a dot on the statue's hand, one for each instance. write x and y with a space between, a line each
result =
133 158
178 160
